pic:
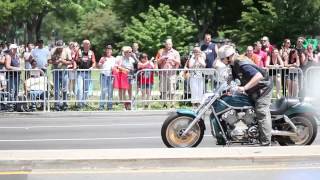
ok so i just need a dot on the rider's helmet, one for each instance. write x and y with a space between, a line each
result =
226 51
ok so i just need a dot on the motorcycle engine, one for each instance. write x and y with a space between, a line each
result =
242 124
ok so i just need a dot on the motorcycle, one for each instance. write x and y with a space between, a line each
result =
232 120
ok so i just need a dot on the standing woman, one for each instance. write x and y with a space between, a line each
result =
123 73
145 78
12 64
311 58
292 62
274 64
285 49
197 61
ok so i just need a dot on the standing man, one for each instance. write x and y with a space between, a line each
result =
209 50
86 61
257 84
60 60
106 63
266 46
41 55
168 59
135 55
27 55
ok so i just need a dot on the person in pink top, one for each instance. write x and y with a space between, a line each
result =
266 46
263 56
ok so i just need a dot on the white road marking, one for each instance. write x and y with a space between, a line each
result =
79 126
82 139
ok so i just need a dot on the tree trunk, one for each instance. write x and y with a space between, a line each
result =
38 26
34 27
30 31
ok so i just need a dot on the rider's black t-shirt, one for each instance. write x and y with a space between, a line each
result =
245 71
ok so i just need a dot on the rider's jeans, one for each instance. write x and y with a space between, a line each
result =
263 116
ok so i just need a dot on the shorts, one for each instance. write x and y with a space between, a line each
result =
3 81
146 86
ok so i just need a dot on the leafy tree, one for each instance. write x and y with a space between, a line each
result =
100 27
276 19
150 29
208 15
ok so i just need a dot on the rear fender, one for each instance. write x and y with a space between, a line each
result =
302 108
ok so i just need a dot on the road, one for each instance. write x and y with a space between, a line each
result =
86 131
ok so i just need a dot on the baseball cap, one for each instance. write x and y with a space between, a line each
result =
13 46
226 51
59 44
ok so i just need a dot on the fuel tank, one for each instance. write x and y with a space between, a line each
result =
235 101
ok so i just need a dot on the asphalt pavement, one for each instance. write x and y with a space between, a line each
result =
103 138
95 130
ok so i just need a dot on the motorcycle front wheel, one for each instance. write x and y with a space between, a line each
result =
306 129
173 128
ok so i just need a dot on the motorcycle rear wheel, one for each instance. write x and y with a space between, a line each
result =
307 131
174 126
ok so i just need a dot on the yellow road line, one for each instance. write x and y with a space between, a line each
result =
172 170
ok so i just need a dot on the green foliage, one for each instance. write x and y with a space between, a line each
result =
150 29
277 20
100 27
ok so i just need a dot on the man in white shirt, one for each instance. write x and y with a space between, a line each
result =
106 63
41 55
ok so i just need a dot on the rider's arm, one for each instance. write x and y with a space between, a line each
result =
254 81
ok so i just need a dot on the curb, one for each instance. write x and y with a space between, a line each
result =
31 160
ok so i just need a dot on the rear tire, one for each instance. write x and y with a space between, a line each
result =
307 131
175 125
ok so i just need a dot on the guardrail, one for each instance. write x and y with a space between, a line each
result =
97 89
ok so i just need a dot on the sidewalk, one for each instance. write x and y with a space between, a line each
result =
31 160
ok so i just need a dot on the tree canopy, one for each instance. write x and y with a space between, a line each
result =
124 21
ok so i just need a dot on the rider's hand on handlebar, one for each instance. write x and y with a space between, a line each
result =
241 89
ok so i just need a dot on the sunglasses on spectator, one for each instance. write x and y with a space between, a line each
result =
128 52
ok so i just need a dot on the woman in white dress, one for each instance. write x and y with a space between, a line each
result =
197 61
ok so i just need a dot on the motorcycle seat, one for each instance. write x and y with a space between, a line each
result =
282 105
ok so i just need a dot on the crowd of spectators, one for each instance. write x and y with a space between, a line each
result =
71 70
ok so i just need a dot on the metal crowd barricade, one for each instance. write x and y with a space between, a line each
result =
287 82
164 87
97 89
23 90
89 89
311 84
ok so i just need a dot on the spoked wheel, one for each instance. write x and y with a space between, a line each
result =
173 128
306 132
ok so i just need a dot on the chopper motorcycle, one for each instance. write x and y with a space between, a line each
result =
232 120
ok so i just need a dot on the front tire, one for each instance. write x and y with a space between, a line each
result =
174 126
307 131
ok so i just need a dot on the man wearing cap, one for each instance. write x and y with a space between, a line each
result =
106 64
41 55
12 64
60 59
256 83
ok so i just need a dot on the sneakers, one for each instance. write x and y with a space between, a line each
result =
265 144
57 108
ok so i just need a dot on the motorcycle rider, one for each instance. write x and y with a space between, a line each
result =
256 83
